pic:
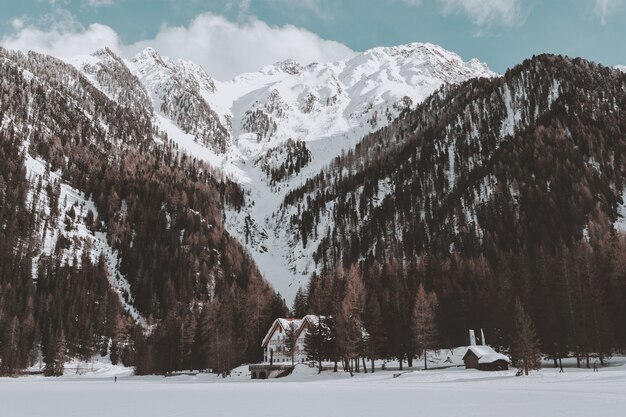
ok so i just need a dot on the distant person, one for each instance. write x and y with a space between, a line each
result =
595 366
116 379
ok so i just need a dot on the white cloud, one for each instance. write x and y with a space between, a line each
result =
222 47
604 8
63 37
225 48
487 12
18 23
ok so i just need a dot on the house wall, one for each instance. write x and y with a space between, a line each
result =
494 366
300 353
277 344
471 361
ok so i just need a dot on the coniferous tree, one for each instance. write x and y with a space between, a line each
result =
525 351
114 353
350 325
373 323
316 342
55 359
300 308
9 348
424 324
291 341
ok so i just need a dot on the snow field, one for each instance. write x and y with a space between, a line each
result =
449 392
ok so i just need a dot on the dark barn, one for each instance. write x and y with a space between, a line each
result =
484 358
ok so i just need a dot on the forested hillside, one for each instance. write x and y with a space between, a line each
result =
490 191
111 240
497 190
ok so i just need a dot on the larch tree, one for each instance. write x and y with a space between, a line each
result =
351 320
373 323
55 360
524 343
424 325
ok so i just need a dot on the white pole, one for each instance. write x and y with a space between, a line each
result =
472 337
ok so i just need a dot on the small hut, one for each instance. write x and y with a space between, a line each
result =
484 358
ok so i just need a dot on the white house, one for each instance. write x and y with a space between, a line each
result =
274 341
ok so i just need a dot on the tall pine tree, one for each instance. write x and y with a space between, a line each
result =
525 345
424 325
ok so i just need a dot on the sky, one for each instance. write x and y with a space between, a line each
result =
229 37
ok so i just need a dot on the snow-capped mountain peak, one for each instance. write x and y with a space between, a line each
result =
177 88
288 66
149 54
149 61
348 98
421 60
258 123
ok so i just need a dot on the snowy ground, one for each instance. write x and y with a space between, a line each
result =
446 392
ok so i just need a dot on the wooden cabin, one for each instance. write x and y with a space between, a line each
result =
484 358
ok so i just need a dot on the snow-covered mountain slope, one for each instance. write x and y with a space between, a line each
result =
71 228
330 107
621 67
243 125
111 75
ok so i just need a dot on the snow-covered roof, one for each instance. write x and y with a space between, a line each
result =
313 319
486 354
284 323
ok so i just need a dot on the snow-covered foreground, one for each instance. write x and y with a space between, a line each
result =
450 392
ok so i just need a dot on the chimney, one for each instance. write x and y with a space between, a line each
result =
472 337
